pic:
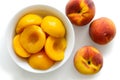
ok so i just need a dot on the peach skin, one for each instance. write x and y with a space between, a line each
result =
88 60
102 30
80 12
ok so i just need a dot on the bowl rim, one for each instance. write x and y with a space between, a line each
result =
10 33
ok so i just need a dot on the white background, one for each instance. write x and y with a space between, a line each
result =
111 54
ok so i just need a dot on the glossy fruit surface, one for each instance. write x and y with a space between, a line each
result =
27 20
33 39
53 26
40 61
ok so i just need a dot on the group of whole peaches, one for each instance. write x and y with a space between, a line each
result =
40 40
89 60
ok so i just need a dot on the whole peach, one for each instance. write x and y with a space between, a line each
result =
102 30
88 60
80 12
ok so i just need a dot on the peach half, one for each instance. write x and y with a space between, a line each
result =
32 39
40 61
55 48
27 20
53 26
80 12
88 60
18 48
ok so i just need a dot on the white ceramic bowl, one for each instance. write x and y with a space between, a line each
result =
42 10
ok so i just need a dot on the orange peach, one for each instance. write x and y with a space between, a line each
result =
102 30
80 12
53 26
40 61
88 60
55 48
32 39
19 50
27 20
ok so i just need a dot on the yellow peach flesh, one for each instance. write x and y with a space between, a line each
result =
53 26
40 61
55 48
27 20
32 39
19 50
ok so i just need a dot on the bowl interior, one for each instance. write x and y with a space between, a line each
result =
43 10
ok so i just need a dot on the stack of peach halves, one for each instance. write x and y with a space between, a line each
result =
88 60
40 40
